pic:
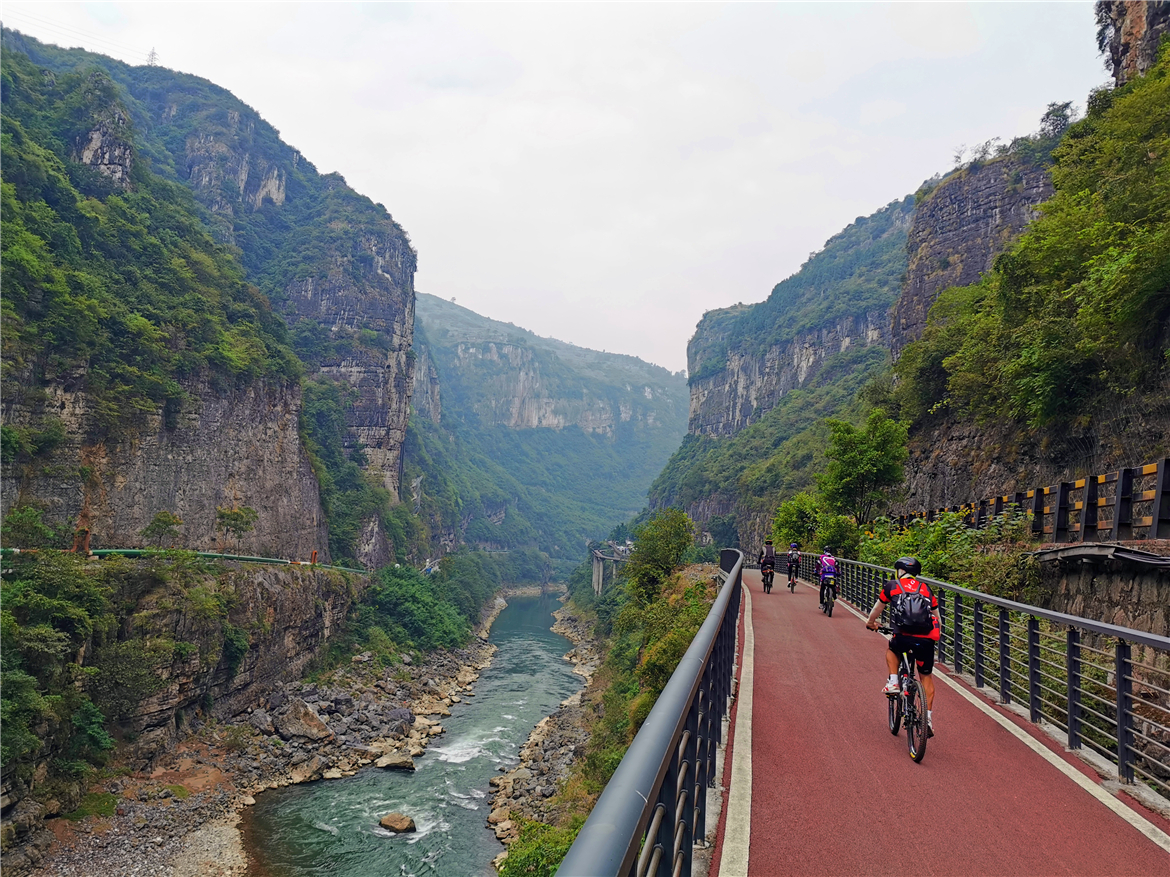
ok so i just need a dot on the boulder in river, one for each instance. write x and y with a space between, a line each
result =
397 822
395 761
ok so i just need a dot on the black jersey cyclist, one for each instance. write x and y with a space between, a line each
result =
793 561
916 625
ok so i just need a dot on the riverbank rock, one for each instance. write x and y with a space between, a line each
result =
397 822
395 761
301 721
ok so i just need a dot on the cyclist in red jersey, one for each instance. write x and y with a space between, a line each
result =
916 625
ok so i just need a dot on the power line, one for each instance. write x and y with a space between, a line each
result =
66 32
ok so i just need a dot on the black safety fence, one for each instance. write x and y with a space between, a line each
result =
1107 688
655 805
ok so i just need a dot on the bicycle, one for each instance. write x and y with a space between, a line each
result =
829 589
909 705
768 573
792 577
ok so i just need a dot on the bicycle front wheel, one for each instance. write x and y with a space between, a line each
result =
916 721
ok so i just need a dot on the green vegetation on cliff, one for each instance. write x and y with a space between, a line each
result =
1076 311
859 269
118 285
492 474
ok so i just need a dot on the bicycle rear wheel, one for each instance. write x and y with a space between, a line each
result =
916 721
895 706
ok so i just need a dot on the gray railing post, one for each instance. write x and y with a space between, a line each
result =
1034 668
1005 657
957 627
977 634
1074 688
1124 712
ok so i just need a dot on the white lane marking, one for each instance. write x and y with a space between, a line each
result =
1101 794
737 829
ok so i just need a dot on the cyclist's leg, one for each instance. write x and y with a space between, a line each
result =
924 657
892 661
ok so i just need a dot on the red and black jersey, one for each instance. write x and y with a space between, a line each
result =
894 588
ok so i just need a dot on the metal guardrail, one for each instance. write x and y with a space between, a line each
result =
1107 507
655 805
1106 687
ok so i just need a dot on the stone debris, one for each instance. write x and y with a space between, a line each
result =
360 716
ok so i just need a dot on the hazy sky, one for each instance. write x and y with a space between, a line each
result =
605 173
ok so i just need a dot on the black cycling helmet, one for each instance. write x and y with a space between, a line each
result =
909 565
767 541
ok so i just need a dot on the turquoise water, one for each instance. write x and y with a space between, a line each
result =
331 827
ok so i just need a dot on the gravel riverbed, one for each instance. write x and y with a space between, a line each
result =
180 820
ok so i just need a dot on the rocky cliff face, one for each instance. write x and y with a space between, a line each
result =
751 383
1130 31
286 615
959 228
239 447
506 376
355 265
517 394
106 146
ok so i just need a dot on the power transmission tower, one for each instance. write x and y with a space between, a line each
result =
152 58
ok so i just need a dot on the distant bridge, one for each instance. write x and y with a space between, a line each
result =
619 554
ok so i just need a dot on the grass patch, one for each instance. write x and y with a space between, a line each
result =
94 804
180 792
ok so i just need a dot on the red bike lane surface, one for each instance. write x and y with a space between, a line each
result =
834 793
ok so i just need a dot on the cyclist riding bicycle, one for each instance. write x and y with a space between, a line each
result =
828 567
768 555
916 624
793 560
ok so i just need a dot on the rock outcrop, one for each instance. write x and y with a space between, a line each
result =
1131 31
224 448
959 227
752 382
107 145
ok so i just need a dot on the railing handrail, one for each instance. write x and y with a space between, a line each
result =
1100 627
609 842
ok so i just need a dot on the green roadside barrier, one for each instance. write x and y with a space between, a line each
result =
210 555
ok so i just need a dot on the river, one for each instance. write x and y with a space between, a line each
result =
331 827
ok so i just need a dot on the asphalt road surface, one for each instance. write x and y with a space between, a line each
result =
834 793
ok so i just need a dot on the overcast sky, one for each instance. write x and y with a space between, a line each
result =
605 173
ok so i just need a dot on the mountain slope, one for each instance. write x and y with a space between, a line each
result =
521 441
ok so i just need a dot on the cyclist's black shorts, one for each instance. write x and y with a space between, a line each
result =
922 648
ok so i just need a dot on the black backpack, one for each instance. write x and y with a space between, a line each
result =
912 613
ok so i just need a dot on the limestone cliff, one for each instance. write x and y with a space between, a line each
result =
327 257
223 449
537 443
959 227
1130 31
507 376
752 382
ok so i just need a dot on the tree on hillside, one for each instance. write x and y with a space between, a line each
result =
865 465
796 521
235 522
659 545
163 528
